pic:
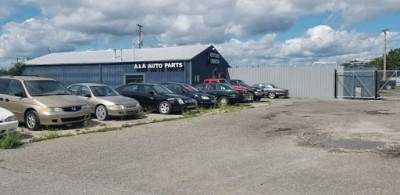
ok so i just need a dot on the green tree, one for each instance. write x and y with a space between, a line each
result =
15 70
392 60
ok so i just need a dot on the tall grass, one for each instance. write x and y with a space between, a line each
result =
10 140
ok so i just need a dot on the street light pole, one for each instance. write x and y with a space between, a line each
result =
384 56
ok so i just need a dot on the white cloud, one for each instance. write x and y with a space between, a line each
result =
320 43
68 24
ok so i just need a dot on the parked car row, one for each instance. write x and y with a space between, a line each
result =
38 101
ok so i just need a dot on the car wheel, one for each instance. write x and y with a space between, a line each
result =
164 107
223 100
101 112
272 95
251 96
32 120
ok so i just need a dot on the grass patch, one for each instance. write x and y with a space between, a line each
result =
228 108
105 129
189 113
11 140
50 135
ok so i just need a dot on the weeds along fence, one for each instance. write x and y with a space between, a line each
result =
303 81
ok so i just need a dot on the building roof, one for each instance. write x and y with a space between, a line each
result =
120 56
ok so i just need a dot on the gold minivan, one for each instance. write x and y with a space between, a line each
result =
38 101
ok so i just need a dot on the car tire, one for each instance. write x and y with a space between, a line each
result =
251 96
271 95
101 112
164 107
32 121
223 100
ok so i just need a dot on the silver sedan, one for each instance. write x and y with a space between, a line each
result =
105 101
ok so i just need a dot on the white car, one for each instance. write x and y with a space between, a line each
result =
8 121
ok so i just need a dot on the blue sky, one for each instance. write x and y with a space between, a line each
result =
246 32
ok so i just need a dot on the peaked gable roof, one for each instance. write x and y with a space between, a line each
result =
120 56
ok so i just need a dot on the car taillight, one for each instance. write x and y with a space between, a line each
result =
239 92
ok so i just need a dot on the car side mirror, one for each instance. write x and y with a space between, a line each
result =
88 95
20 94
183 91
152 93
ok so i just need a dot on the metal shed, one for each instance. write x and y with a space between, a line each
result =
186 64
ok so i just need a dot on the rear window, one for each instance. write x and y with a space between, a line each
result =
4 83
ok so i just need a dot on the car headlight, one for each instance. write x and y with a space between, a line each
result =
180 101
119 106
205 97
52 109
10 118
195 95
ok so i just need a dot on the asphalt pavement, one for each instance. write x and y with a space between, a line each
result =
277 149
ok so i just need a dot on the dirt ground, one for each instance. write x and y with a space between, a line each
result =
339 125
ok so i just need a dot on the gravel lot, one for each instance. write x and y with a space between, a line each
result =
293 146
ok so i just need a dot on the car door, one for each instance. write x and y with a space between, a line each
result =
131 91
15 100
148 96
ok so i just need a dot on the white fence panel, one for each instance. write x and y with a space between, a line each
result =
307 81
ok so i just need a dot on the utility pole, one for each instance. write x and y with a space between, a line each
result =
140 40
384 56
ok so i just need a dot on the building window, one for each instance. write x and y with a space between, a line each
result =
134 78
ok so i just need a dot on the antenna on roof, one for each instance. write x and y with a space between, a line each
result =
140 32
48 50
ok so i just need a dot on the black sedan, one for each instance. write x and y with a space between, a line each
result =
254 93
272 91
203 99
157 97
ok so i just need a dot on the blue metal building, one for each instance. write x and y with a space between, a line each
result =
186 64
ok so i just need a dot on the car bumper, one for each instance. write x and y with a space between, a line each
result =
188 105
205 103
6 127
123 112
62 118
237 98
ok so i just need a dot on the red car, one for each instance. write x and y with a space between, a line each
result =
225 82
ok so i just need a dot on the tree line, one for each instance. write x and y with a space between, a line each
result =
392 60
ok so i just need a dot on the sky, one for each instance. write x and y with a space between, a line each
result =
246 32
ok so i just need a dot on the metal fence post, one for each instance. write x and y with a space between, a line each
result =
335 84
376 84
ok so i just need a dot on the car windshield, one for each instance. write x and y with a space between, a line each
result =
46 88
225 81
190 88
161 89
273 86
103 91
227 86
242 83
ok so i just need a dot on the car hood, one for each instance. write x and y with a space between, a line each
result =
239 87
118 99
193 94
173 95
4 113
59 100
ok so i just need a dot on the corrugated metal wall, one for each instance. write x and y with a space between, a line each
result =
307 81
112 74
